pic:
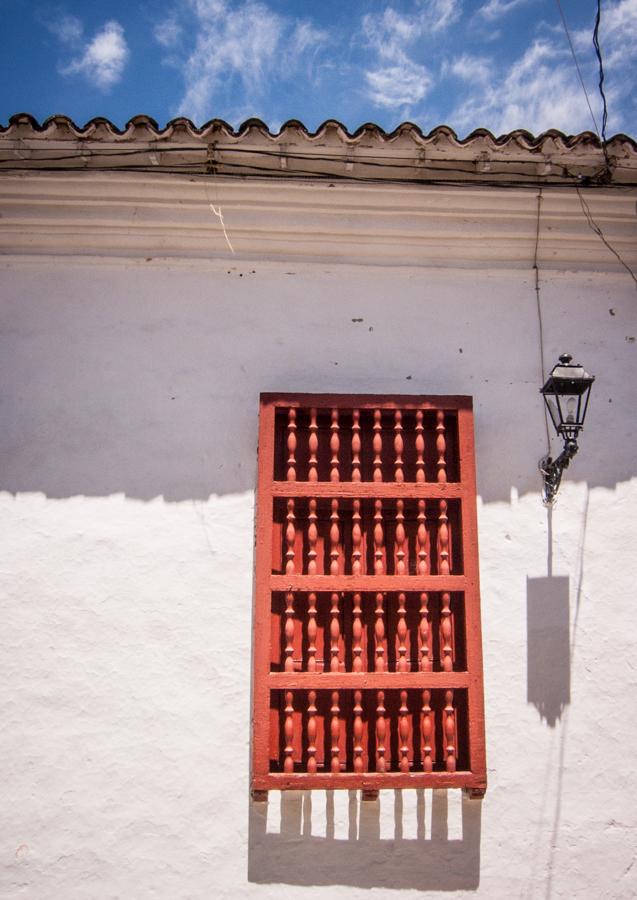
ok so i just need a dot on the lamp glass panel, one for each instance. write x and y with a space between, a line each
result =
571 410
551 404
584 404
561 409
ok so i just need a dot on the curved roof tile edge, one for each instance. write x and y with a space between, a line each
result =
520 136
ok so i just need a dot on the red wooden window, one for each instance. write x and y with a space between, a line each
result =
368 660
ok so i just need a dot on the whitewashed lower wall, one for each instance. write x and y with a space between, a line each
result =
128 437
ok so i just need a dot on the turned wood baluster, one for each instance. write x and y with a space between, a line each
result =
356 445
335 633
335 443
402 664
445 611
288 733
357 538
441 446
420 448
443 569
400 538
379 633
403 732
443 540
381 732
377 445
426 663
358 731
426 727
443 521
445 633
312 538
291 445
289 632
398 447
357 633
421 539
425 635
311 732
312 629
378 537
335 536
443 548
335 734
450 733
312 474
290 537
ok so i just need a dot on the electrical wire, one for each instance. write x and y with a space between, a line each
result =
242 170
579 71
385 162
375 162
538 300
600 234
598 53
600 134
564 178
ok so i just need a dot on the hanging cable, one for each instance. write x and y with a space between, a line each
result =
100 156
432 175
600 234
539 313
598 53
600 134
579 71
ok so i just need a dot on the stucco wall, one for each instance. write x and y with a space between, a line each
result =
129 421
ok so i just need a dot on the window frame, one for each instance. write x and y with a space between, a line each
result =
472 779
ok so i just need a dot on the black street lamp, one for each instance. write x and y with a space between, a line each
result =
566 394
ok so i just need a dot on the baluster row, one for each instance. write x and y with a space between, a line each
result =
333 537
366 731
382 632
358 445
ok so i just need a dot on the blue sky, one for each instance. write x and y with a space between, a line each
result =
496 64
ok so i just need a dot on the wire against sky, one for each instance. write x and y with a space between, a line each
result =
598 52
577 66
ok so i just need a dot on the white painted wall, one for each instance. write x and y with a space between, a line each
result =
129 420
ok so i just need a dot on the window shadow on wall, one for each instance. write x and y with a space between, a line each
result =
304 851
147 382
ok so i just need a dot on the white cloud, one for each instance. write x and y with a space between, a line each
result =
68 29
541 89
168 32
306 36
207 10
241 50
437 15
391 32
101 60
475 69
398 80
494 9
400 85
618 33
231 43
302 46
618 40
538 92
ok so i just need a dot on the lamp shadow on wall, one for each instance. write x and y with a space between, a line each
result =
548 643
430 860
548 646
